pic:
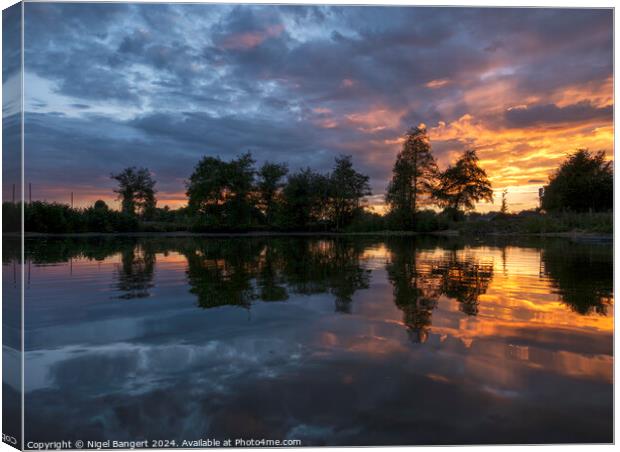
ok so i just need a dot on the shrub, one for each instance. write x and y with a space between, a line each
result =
59 218
365 221
430 221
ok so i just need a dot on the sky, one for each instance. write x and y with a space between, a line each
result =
114 85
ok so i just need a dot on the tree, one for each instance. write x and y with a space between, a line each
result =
269 186
347 188
206 188
220 191
463 184
100 205
240 183
584 182
136 190
504 209
305 197
412 177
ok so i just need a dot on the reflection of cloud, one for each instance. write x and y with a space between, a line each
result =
299 369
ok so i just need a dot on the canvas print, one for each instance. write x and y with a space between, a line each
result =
242 225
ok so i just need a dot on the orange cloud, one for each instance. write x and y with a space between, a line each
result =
376 119
433 84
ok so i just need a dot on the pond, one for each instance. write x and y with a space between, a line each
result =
326 340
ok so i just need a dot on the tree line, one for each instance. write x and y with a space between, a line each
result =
236 195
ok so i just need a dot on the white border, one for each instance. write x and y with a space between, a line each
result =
502 4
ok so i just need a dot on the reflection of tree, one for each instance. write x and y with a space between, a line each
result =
346 276
220 272
232 271
270 280
239 271
582 275
319 266
53 250
417 286
464 279
414 292
135 274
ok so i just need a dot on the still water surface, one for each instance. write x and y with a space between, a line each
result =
348 341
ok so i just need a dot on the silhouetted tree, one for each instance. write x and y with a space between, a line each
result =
584 182
136 190
206 188
504 208
305 197
220 191
100 205
463 184
268 188
347 188
412 176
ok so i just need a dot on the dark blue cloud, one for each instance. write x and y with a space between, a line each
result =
550 114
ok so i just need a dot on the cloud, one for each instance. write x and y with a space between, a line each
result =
551 114
166 84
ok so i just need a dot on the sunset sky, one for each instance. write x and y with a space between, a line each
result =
115 85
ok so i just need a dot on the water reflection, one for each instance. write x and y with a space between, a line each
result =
507 337
464 278
415 290
581 276
240 272
135 274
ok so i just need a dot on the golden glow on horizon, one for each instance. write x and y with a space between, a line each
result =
517 159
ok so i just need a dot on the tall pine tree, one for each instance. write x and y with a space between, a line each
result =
412 177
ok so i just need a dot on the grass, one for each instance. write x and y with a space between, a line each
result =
57 218
538 223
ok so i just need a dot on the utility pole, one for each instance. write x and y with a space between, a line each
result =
72 200
29 192
13 193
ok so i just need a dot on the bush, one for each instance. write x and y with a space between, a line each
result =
161 226
601 222
59 218
365 221
430 221
531 222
